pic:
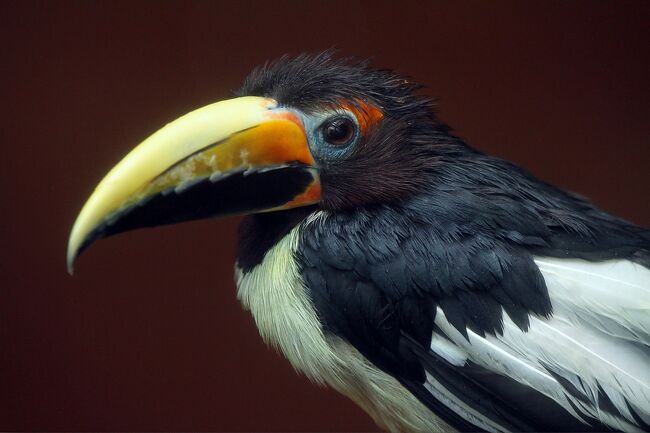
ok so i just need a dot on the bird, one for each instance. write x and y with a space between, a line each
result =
436 286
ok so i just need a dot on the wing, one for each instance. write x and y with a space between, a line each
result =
591 357
484 333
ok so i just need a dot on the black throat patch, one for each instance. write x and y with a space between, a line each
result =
258 233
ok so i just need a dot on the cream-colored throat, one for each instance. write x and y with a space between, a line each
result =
275 294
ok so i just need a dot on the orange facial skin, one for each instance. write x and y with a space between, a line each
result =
311 195
367 115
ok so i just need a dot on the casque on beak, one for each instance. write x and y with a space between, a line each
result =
237 156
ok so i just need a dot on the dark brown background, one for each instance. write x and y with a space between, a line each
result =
148 334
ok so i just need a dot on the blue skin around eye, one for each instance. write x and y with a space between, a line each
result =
321 150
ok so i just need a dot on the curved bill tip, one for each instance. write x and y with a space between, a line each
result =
71 255
75 245
70 265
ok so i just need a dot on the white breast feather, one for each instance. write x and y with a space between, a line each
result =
275 295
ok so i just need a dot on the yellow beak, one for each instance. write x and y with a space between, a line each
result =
236 156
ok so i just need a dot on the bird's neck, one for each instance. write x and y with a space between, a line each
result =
258 233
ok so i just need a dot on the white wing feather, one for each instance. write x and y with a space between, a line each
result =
612 296
598 340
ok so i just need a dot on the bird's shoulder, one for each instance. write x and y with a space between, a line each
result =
467 244
387 268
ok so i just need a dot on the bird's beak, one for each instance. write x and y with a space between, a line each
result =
237 156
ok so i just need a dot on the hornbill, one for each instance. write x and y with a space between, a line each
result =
437 287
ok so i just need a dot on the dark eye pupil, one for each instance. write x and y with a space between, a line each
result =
339 131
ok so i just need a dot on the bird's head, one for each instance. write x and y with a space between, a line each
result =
308 130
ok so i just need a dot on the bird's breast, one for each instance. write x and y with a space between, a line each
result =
277 297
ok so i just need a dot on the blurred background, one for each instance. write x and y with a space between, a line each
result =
148 334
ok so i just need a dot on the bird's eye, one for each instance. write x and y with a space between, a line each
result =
339 131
